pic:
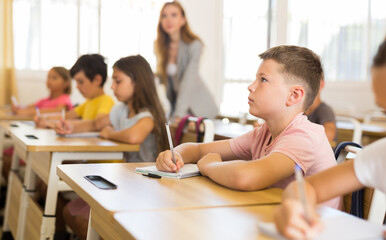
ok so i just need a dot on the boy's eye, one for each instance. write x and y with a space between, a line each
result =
264 80
117 82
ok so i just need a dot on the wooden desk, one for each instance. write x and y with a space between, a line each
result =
229 130
138 193
6 114
370 132
42 155
206 223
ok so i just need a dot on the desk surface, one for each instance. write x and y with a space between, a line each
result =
208 223
229 130
137 192
375 129
6 114
48 141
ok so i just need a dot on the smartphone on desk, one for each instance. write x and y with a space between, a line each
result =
100 182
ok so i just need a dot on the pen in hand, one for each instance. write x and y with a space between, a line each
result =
170 142
302 192
63 119
37 112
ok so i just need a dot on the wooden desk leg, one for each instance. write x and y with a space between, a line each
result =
29 190
2 140
15 169
91 233
55 185
48 225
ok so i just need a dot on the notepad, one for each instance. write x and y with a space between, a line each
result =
188 170
337 225
80 135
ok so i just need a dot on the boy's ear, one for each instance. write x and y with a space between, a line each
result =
321 84
296 95
97 79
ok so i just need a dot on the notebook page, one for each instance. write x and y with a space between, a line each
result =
188 170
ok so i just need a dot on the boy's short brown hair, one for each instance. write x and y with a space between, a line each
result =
380 57
299 65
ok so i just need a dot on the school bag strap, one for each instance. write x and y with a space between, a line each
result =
180 129
200 134
356 207
181 126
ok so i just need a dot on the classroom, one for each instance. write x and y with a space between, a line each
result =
192 119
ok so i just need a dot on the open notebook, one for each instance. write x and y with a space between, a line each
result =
188 170
80 135
337 225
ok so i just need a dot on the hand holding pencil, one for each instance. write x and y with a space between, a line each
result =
170 160
64 127
296 216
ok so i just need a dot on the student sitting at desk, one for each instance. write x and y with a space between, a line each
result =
286 84
320 113
59 84
138 119
367 169
90 73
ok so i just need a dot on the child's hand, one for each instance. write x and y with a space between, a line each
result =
205 161
39 122
291 222
15 108
105 133
64 127
165 163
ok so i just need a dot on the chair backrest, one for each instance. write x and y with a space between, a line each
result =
366 203
193 129
376 116
347 127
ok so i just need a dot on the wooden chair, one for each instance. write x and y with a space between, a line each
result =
373 201
374 117
349 129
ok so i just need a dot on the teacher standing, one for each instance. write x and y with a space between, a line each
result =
178 52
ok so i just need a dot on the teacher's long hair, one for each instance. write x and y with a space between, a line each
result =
145 94
162 43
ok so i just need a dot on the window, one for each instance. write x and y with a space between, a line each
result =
44 33
345 39
245 37
56 32
131 25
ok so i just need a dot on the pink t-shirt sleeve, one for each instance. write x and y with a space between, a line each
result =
241 146
299 145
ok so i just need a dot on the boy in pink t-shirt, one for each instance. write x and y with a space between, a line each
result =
286 84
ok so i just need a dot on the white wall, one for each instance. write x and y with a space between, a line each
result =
205 19
349 97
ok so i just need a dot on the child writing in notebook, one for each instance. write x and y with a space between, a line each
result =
90 73
367 169
138 119
286 84
59 84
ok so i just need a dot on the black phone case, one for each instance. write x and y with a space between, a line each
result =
100 182
31 136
